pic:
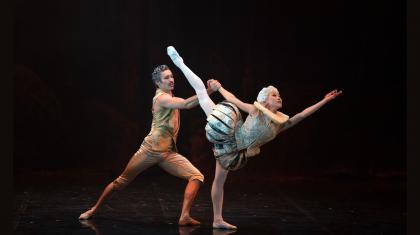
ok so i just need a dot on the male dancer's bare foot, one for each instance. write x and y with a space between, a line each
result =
223 225
186 230
87 214
88 223
188 221
174 56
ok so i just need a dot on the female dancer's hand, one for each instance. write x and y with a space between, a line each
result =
213 84
330 96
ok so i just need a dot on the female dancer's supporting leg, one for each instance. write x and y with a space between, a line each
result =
207 105
220 176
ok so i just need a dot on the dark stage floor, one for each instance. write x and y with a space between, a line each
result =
152 203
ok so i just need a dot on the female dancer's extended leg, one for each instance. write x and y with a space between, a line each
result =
203 98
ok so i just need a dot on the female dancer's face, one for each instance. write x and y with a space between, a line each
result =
167 82
274 101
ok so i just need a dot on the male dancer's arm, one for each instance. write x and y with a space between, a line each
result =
310 110
168 101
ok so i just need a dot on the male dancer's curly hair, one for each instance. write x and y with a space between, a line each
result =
156 73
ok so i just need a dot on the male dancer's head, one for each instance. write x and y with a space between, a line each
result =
163 78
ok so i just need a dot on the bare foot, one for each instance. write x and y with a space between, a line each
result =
186 230
223 225
87 215
88 223
188 221
218 231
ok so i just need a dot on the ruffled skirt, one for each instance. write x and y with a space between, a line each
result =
221 125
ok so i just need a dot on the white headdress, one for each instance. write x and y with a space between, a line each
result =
277 117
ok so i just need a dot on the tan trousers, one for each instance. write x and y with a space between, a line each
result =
172 162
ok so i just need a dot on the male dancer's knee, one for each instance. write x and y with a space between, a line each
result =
197 176
120 183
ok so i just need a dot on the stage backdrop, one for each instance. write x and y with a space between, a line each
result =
83 90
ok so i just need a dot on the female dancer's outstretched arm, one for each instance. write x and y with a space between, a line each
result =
248 108
311 109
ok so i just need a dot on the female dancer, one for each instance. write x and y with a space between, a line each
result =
234 140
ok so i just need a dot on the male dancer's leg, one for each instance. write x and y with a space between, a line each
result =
139 162
203 98
220 176
177 165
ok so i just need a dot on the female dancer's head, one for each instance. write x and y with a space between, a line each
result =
270 98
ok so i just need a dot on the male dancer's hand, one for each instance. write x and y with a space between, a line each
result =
213 84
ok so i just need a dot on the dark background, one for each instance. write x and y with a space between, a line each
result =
83 89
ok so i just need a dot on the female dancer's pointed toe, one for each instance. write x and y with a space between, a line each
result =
175 57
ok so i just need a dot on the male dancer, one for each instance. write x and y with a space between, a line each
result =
159 146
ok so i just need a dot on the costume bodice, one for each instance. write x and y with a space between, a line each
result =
255 132
165 127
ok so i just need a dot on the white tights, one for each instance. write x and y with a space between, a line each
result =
203 98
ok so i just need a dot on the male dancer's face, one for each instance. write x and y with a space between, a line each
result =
167 82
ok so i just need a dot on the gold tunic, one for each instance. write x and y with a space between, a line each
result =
164 130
